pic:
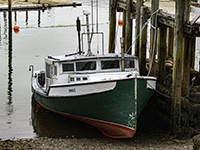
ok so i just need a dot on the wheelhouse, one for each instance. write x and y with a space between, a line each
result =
79 69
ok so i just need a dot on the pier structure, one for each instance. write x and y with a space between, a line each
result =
174 28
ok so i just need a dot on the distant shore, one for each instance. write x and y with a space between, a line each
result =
36 4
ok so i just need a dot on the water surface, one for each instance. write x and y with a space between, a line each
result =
52 32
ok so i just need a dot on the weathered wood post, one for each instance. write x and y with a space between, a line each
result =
177 67
186 53
128 30
170 41
143 41
162 34
122 53
180 20
193 48
139 3
186 65
124 24
154 7
112 18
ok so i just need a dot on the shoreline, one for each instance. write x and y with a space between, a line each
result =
33 4
143 141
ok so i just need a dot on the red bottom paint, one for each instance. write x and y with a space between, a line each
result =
109 129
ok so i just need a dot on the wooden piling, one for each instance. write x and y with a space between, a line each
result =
178 71
186 53
128 30
112 30
139 3
143 41
177 67
154 7
124 24
162 34
186 65
193 48
170 41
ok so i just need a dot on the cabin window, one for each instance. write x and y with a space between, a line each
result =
48 68
84 78
90 65
78 79
71 79
55 70
129 64
110 64
68 67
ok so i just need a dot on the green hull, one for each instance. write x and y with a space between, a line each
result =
112 108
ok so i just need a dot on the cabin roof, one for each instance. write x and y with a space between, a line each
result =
73 57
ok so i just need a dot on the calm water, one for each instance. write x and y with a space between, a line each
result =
52 32
36 39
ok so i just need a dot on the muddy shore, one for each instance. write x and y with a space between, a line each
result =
143 141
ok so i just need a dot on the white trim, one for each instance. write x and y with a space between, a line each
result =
79 90
151 84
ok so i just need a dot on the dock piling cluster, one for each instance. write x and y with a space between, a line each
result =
170 35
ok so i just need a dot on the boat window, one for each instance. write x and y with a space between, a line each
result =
90 65
55 70
71 79
84 78
129 63
68 67
48 68
110 64
78 79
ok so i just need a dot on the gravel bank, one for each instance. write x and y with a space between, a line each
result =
139 142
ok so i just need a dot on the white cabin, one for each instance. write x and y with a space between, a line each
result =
81 68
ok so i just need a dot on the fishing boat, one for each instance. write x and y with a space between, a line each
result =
104 90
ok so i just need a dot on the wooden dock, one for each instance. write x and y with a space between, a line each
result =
33 5
176 25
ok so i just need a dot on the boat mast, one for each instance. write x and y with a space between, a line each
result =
86 13
97 13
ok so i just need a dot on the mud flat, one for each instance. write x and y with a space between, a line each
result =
139 142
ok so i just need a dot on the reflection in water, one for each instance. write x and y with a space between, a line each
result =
5 28
39 18
26 18
48 124
10 70
15 17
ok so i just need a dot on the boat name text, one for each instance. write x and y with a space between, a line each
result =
72 90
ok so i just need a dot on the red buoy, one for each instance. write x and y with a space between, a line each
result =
16 27
120 22
16 31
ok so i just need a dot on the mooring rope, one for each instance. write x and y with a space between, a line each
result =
145 24
155 36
